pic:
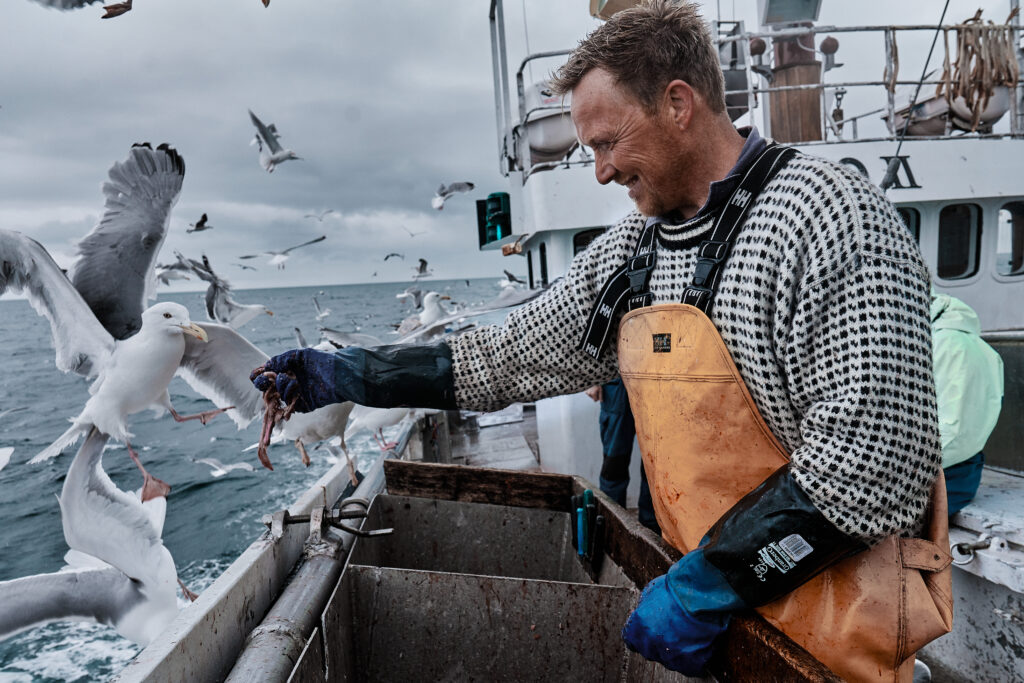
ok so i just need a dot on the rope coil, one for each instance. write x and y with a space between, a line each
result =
985 59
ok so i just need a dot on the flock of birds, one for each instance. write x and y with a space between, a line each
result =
118 571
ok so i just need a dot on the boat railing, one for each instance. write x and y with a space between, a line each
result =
210 637
892 108
831 125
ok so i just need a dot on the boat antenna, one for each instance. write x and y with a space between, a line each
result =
894 164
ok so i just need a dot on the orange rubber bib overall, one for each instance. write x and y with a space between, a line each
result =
705 446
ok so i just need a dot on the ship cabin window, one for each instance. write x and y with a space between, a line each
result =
529 267
543 265
583 238
911 219
959 241
1010 247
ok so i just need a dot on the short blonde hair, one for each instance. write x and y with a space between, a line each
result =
646 47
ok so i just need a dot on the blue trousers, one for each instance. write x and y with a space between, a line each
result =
962 482
617 433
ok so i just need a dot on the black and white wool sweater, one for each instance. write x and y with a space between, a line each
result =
823 304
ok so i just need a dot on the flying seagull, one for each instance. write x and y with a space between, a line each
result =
411 233
319 216
97 321
119 571
199 225
244 266
321 313
414 293
219 469
277 258
446 191
267 136
220 305
394 254
421 270
165 272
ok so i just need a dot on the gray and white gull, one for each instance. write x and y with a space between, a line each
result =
268 140
101 328
118 570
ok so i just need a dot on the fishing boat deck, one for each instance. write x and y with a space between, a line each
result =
506 439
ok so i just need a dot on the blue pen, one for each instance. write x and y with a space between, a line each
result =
581 532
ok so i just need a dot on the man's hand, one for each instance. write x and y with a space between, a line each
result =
304 373
595 393
680 615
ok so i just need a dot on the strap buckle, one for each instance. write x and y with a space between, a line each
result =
639 269
710 255
699 297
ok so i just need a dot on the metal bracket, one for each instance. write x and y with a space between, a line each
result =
318 517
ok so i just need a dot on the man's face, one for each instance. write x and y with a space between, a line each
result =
631 147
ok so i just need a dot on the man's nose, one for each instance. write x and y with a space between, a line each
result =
604 170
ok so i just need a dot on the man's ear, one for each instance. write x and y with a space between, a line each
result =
680 99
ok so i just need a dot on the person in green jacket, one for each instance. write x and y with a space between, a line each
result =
969 389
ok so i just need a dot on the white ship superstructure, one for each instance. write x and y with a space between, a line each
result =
955 172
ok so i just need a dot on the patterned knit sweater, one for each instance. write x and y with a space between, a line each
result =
823 304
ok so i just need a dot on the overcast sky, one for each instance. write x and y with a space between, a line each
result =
383 100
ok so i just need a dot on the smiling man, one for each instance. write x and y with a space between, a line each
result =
803 432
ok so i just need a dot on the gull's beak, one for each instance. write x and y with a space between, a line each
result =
445 296
269 312
195 331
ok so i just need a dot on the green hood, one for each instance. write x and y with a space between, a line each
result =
949 313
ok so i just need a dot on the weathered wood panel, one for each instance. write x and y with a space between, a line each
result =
479 485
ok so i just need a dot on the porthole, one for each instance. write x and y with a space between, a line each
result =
959 241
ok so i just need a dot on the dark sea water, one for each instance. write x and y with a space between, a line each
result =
209 521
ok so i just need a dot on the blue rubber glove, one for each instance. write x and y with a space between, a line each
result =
306 373
415 376
680 615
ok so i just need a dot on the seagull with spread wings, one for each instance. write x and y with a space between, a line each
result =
118 570
321 313
277 258
421 270
199 225
271 151
319 216
99 323
446 191
220 305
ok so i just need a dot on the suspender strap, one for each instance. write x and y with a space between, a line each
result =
628 284
711 253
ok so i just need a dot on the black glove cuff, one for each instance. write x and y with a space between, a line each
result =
400 375
774 540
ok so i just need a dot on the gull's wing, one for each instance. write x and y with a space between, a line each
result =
114 271
343 339
101 520
66 4
212 462
460 186
299 339
508 298
316 304
321 238
103 595
268 133
82 345
219 370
